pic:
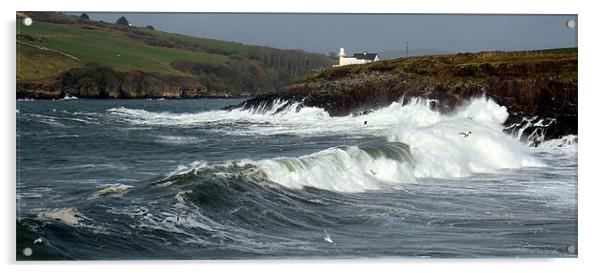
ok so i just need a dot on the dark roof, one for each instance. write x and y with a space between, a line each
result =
365 56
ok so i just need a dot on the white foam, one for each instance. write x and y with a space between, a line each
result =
438 148
280 112
178 140
349 169
568 141
68 216
437 143
566 146
441 150
111 189
191 168
537 127
69 97
282 118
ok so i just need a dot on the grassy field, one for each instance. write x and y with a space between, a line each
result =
100 46
34 63
211 43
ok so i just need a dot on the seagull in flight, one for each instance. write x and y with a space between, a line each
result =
327 238
465 134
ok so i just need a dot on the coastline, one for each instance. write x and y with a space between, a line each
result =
536 86
540 85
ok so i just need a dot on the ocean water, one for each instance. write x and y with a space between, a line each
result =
182 179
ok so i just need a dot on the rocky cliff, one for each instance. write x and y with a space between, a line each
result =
104 82
528 83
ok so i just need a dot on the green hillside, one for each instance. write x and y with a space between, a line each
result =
55 44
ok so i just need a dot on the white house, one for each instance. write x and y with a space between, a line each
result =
357 58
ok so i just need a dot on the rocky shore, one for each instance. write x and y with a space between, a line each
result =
104 82
530 84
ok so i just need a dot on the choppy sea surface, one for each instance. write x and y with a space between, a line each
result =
182 179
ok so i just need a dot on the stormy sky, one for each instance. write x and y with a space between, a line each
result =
325 33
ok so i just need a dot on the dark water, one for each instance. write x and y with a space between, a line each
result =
178 179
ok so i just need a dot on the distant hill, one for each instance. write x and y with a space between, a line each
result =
61 54
394 54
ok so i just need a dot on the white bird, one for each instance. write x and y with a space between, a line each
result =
38 241
327 238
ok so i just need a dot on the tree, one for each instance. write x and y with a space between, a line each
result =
85 16
150 27
122 21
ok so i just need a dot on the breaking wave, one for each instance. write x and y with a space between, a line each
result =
469 141
282 117
281 112
345 169
423 143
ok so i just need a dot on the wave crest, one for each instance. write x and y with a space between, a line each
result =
423 143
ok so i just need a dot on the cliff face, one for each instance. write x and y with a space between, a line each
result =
104 82
536 83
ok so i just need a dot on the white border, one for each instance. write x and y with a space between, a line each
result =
337 6
589 100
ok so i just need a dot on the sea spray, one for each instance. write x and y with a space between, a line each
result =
423 143
470 140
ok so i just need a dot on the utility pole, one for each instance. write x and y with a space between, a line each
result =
407 43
